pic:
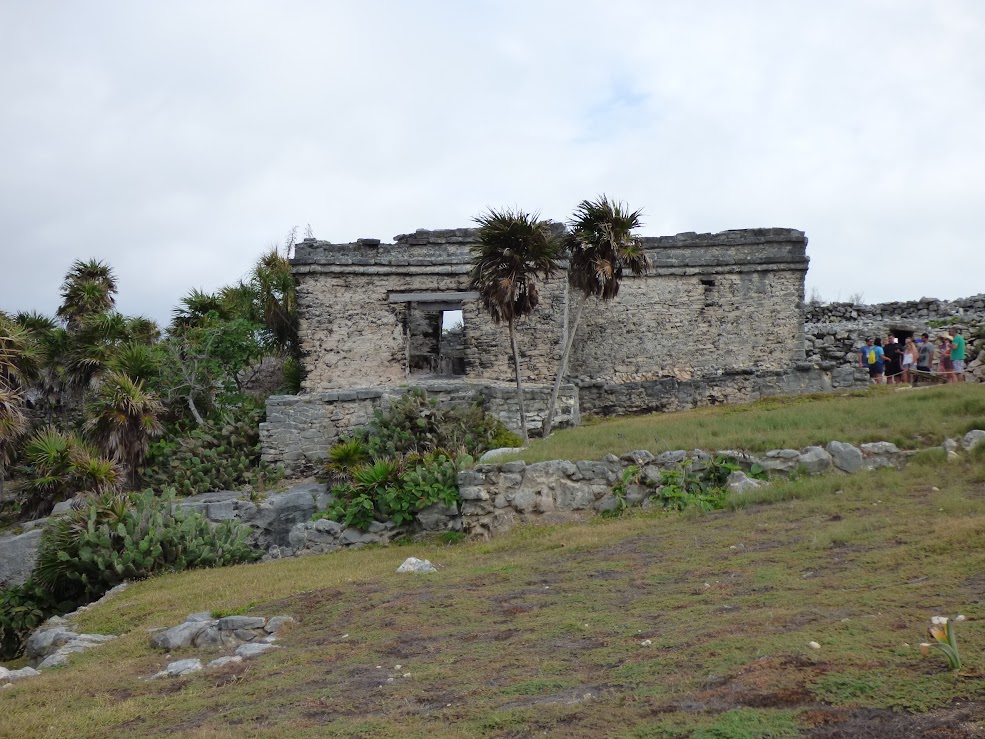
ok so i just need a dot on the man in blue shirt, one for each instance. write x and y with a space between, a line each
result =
871 357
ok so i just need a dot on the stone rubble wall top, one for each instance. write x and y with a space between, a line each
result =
451 248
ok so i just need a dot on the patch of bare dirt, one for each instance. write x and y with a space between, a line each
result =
966 721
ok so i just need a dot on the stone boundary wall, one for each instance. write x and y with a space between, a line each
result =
300 428
920 310
496 497
599 398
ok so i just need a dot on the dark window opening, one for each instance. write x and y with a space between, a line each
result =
709 286
435 339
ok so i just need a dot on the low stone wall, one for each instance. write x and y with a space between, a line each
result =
921 311
300 428
674 394
496 497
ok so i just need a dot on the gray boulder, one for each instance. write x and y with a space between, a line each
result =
180 668
815 460
972 439
638 457
179 636
880 454
493 454
247 651
845 457
780 460
17 557
231 623
12 676
276 516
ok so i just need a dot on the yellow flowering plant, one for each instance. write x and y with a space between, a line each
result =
942 631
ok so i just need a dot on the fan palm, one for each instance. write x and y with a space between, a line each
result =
59 465
89 288
138 361
273 284
123 417
600 246
19 365
513 248
195 308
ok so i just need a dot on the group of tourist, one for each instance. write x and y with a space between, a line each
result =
892 362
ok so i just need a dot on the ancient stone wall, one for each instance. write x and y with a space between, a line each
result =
711 302
300 428
834 332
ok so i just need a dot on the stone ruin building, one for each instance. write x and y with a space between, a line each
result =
719 318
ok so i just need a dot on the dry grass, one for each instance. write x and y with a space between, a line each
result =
540 631
910 418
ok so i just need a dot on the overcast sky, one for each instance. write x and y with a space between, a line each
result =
178 140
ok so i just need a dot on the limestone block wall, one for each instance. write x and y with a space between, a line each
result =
687 326
911 310
712 302
299 429
598 398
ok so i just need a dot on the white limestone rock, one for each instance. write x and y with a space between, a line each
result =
740 482
419 566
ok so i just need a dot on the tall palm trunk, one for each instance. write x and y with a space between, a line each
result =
519 385
563 364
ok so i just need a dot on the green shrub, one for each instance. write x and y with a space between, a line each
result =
223 455
292 376
87 552
417 424
395 489
407 459
683 489
23 608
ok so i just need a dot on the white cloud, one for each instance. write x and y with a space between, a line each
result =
177 141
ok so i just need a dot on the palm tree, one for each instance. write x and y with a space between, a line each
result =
13 425
89 288
123 417
273 284
19 364
59 465
513 247
600 245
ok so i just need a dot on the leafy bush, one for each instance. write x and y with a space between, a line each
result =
417 424
685 488
408 459
85 553
395 489
220 456
23 608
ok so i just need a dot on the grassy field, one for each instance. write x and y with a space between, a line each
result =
651 625
909 418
